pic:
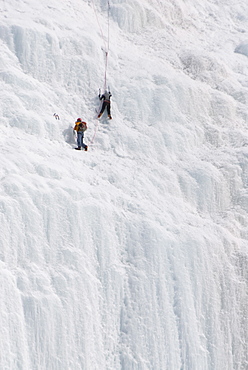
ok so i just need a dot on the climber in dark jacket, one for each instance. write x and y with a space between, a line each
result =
106 103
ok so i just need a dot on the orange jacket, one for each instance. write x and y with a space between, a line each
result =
79 128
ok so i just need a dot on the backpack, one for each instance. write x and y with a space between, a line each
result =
80 127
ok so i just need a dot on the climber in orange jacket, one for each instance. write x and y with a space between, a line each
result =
80 127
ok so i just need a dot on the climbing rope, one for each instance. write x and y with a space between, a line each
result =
106 43
95 132
106 60
106 51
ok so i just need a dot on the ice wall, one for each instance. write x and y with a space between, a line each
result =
134 254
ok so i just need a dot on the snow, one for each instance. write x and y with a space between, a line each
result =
242 48
132 255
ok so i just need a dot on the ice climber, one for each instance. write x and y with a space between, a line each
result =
80 127
106 103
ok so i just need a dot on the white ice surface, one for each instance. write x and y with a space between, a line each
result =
133 255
